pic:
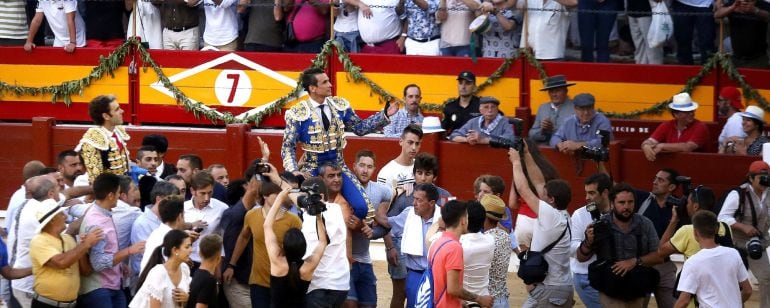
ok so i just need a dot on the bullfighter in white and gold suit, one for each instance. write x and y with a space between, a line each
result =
105 148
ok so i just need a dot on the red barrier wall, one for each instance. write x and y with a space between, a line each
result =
460 164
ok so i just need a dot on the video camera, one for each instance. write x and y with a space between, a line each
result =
764 180
598 154
311 200
517 143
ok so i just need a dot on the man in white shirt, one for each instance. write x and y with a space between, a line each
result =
381 31
62 17
478 249
747 223
552 226
221 30
715 275
331 279
41 189
346 25
547 25
729 106
203 211
597 188
400 171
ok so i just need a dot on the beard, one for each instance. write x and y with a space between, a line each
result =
621 217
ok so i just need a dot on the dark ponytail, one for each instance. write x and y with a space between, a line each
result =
173 239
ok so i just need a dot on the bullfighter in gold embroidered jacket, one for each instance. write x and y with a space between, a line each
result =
318 125
104 148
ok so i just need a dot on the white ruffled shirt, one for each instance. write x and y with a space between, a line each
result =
158 285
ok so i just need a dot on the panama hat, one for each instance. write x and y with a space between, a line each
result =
494 206
682 102
754 112
431 125
46 211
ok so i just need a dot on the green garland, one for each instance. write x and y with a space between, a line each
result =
716 61
110 63
65 90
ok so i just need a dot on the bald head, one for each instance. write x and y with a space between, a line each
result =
42 187
32 168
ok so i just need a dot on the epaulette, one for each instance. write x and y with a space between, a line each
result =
95 138
121 131
299 112
339 103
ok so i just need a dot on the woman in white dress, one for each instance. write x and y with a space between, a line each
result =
166 285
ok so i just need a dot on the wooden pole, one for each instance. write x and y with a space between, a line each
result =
526 25
136 11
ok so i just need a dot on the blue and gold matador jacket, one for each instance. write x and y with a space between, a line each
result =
304 126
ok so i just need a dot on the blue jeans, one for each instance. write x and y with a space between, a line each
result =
321 298
260 296
456 51
363 284
685 25
500 302
103 298
350 40
588 295
412 286
595 29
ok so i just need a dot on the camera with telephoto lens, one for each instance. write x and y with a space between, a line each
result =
311 200
754 247
726 3
517 143
601 227
598 153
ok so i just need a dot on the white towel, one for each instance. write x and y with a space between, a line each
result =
413 240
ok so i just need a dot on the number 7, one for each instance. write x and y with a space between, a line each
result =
235 78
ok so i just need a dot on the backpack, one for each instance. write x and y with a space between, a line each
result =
425 292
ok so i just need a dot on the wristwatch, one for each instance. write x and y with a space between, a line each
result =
638 261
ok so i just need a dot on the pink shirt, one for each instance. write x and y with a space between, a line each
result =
308 24
450 257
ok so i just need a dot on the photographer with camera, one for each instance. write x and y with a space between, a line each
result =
491 122
625 245
746 211
581 130
597 187
331 281
549 282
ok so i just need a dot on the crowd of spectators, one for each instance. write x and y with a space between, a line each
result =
489 28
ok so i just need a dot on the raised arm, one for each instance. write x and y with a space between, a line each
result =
273 251
520 181
535 174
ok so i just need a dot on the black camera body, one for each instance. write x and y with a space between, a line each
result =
517 143
311 200
764 180
601 227
260 168
681 203
754 248
598 154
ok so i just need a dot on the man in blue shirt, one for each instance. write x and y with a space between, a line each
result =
480 129
409 114
581 129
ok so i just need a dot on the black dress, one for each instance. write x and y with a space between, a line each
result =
287 294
